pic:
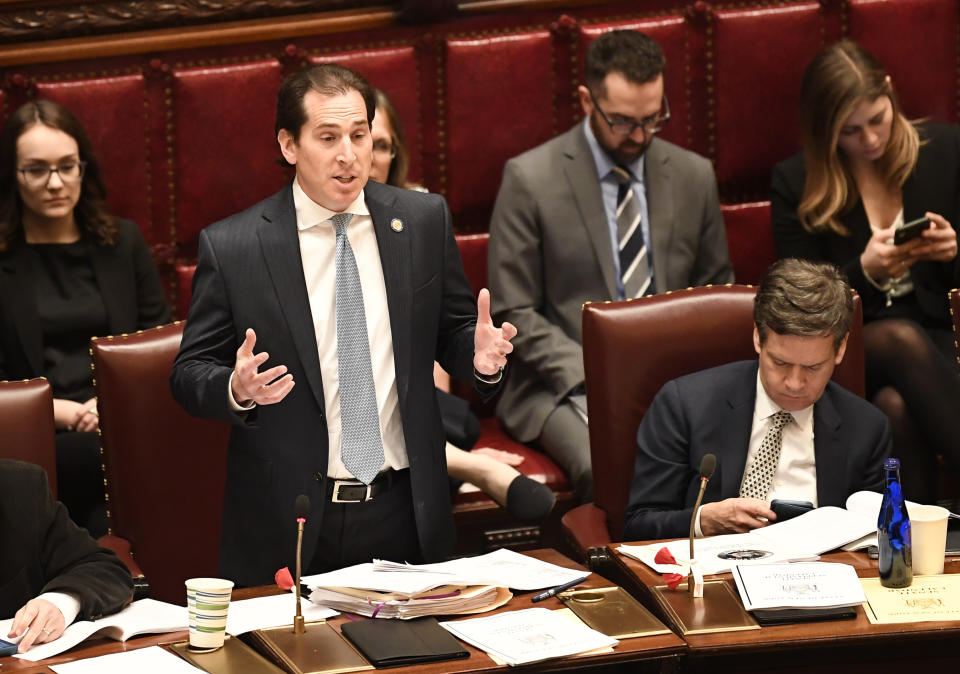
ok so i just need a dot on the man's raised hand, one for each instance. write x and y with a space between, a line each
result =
250 386
490 345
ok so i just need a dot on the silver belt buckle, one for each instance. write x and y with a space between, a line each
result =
349 483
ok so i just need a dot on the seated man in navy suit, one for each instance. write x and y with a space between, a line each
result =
51 571
779 427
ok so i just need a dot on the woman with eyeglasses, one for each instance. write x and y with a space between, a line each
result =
69 270
491 470
866 170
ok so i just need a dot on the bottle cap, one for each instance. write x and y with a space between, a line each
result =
892 463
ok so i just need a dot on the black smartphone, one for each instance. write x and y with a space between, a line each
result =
910 230
6 648
786 510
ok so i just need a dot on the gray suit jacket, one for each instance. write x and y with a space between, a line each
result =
550 252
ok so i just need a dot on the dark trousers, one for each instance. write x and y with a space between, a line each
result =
382 528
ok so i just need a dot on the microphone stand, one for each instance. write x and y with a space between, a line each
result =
693 520
298 625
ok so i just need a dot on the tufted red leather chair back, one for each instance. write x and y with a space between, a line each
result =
26 425
631 349
749 239
165 470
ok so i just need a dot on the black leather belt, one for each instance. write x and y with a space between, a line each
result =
355 491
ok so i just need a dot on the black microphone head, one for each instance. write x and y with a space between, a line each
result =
708 464
301 507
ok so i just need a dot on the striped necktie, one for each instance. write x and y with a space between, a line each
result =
634 266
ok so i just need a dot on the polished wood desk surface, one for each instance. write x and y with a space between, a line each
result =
811 641
644 649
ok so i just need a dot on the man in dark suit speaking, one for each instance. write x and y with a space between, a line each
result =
316 317
778 426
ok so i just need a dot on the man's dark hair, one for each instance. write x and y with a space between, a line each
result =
632 54
805 299
327 79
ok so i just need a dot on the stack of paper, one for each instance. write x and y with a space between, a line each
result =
467 585
798 586
443 600
529 635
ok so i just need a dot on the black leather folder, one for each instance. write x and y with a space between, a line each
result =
394 643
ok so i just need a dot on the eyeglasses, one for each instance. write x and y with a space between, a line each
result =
383 148
624 127
38 175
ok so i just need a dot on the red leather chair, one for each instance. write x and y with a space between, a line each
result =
630 350
26 425
749 239
164 469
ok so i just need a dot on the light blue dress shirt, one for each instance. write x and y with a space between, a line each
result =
608 189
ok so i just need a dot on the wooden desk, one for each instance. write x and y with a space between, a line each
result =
850 646
644 654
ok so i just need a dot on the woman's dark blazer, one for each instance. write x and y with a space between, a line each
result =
128 281
934 186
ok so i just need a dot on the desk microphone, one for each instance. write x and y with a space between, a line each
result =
708 464
301 508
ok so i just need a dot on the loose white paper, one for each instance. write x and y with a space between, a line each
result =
501 568
150 660
253 614
528 635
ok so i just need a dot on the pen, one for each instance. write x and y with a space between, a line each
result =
559 588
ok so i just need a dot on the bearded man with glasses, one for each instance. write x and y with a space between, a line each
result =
606 211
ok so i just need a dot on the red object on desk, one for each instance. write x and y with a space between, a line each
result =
283 578
664 556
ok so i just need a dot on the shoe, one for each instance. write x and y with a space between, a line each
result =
529 501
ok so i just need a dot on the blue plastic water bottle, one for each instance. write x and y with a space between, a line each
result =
893 531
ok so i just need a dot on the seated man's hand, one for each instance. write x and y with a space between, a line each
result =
42 622
734 516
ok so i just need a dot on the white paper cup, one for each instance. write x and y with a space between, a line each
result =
928 525
208 600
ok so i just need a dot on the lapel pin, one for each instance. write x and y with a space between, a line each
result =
396 225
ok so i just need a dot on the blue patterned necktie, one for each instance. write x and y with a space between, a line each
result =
361 448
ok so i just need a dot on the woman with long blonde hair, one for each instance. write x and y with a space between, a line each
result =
864 171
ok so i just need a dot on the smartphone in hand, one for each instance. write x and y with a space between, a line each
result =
785 510
7 648
910 230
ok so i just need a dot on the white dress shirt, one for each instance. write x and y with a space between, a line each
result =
796 475
317 252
